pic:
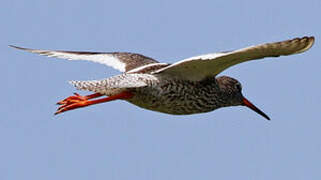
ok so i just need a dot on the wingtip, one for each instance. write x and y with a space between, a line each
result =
12 46
17 47
309 40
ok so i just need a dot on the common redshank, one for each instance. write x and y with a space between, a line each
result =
188 86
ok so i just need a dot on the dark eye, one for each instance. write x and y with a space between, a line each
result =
238 87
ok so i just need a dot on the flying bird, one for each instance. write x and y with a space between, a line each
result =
188 86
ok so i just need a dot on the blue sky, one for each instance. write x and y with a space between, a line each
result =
119 141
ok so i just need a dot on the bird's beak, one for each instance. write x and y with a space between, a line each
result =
248 104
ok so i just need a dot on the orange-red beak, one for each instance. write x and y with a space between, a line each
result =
248 104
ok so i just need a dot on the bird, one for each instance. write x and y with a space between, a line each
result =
185 87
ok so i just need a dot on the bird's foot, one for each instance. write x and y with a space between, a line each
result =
78 101
72 99
72 102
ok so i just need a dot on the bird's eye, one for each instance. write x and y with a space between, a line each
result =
238 86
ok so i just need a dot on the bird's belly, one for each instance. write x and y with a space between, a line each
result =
173 101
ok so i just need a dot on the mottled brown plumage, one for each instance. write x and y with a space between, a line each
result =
187 87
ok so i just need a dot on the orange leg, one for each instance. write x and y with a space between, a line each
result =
77 97
77 101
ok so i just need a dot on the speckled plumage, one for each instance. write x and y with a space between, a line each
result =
187 87
183 97
172 96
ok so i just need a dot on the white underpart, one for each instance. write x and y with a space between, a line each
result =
199 67
203 57
210 56
145 66
106 59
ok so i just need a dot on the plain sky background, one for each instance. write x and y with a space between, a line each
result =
119 141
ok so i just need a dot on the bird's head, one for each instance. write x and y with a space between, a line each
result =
232 90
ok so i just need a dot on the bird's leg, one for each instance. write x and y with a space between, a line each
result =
77 101
77 98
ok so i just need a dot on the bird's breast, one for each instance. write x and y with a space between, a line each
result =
178 97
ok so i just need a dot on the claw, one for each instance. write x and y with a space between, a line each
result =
72 102
71 106
72 99
62 106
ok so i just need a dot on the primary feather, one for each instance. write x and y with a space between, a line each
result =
200 67
121 61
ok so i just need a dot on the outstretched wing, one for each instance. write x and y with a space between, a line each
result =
200 67
121 61
113 84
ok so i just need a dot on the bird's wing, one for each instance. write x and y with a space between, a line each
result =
116 83
121 61
200 67
105 87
